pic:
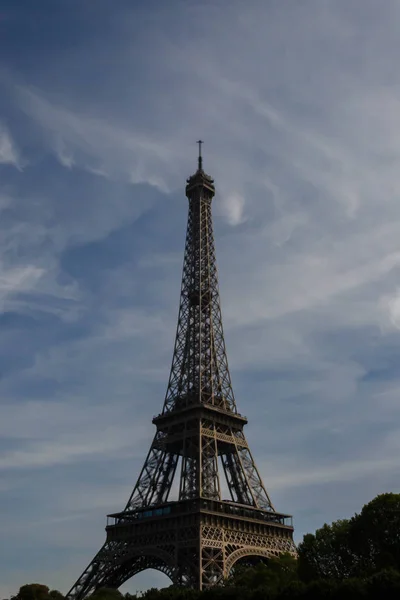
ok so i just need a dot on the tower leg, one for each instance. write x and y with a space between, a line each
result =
118 561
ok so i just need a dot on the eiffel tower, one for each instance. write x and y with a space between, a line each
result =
196 539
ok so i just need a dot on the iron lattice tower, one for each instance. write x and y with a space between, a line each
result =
197 538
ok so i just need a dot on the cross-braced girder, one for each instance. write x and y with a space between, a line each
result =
196 539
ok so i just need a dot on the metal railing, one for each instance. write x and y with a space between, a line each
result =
200 505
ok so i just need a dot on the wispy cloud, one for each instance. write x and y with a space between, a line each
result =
9 154
96 144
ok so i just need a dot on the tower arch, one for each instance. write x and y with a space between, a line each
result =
141 562
240 555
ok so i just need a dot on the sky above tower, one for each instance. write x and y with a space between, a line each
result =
101 104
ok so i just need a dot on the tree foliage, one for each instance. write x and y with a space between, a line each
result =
375 535
37 591
107 594
326 554
359 547
273 574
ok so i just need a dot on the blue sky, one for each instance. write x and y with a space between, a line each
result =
101 102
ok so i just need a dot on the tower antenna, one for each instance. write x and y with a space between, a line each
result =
200 142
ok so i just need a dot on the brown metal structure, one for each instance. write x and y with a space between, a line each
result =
199 438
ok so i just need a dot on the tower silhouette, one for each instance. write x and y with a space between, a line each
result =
199 440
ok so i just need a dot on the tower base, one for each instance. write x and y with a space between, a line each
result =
194 542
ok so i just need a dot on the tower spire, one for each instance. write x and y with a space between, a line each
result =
200 142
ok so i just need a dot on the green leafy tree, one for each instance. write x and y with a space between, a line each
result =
171 593
293 591
326 554
271 576
359 547
225 593
352 589
37 591
56 595
106 594
286 566
253 578
322 589
33 591
375 535
385 585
